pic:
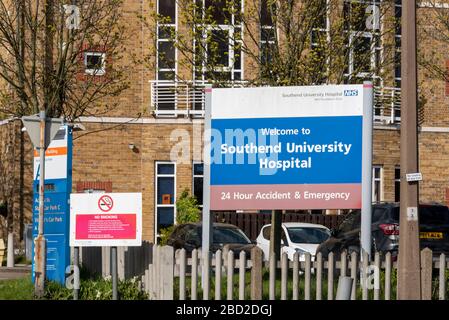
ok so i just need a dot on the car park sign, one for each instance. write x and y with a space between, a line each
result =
58 185
112 219
286 147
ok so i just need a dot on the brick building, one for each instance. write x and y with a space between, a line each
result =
141 146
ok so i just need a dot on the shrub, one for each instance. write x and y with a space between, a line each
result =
187 210
96 289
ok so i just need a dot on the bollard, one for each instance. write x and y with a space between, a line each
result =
344 288
10 257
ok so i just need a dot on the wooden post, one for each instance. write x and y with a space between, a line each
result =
284 275
205 271
364 276
388 276
230 279
256 273
426 274
194 274
275 234
182 274
242 267
319 275
218 267
307 277
442 276
377 276
343 263
330 276
166 271
354 275
296 276
272 281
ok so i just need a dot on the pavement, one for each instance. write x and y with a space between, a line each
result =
19 271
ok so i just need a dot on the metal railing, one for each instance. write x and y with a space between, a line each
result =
387 105
175 98
187 98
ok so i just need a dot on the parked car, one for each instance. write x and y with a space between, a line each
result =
295 237
433 227
189 237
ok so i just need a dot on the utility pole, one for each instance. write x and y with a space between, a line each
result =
409 277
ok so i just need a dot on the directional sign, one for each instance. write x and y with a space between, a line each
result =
58 185
32 124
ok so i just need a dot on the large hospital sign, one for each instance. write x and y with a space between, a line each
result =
286 147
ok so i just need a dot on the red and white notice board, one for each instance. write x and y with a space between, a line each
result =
105 219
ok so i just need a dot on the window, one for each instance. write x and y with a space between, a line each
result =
362 26
218 53
166 29
267 34
377 184
397 184
94 63
320 36
165 195
397 35
198 174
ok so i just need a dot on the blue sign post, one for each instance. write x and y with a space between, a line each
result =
58 186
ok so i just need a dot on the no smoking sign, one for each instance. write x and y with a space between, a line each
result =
105 203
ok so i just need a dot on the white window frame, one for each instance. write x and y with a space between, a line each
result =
156 205
380 180
367 34
230 68
197 176
158 40
95 72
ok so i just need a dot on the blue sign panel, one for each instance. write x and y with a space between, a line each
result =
58 186
276 151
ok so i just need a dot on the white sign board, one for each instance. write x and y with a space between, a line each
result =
413 177
105 219
55 157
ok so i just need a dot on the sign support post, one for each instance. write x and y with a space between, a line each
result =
76 263
367 171
114 272
40 256
206 215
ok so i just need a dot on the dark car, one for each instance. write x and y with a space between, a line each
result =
189 235
433 227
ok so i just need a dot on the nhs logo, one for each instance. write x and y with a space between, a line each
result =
351 93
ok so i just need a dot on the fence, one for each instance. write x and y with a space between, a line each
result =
173 275
251 223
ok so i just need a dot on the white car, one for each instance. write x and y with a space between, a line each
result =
296 237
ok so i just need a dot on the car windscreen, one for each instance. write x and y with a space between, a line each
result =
431 215
229 235
308 235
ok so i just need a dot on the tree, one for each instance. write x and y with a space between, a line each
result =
295 42
60 56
